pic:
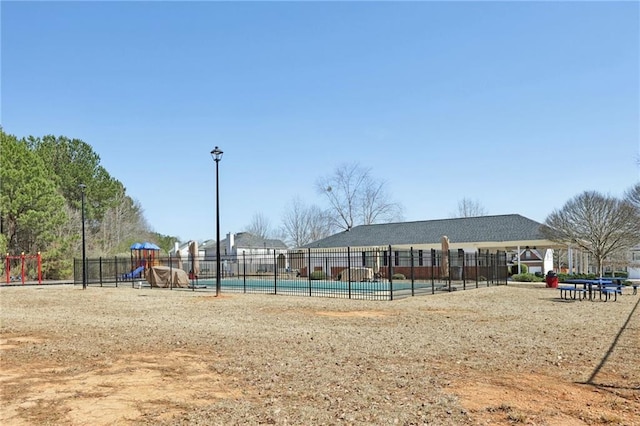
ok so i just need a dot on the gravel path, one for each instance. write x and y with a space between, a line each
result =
514 354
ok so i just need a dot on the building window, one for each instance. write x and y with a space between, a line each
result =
420 258
384 258
364 258
396 258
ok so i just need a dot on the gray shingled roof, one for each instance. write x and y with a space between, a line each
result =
512 227
248 240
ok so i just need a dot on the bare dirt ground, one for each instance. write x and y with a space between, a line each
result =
493 356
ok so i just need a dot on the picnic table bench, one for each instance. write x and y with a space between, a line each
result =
604 287
571 292
610 289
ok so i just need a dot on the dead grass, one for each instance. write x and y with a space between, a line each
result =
500 355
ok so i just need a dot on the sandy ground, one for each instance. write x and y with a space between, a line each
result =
514 354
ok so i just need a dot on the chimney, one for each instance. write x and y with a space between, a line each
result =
230 242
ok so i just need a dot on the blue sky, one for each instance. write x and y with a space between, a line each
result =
518 105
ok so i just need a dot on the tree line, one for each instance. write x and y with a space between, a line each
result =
40 203
40 208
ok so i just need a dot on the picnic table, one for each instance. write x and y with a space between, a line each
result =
605 286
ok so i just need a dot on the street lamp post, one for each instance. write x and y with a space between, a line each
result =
217 156
84 246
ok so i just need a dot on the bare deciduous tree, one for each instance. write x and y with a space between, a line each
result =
356 198
123 219
469 208
599 224
633 195
303 224
260 226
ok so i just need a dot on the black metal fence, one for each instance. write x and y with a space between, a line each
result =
376 274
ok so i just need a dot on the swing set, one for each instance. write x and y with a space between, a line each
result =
24 261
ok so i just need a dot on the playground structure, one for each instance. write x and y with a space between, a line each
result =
143 256
26 266
136 273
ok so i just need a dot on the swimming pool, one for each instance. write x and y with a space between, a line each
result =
371 290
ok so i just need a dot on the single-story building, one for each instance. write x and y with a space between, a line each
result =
511 233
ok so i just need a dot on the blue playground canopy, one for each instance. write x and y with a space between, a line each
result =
143 255
144 246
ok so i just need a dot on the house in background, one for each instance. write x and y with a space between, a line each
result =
634 263
537 261
182 250
263 253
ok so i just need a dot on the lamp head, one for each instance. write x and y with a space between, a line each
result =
216 154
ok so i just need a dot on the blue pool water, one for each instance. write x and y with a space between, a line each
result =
268 285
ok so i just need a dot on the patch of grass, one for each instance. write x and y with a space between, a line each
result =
513 416
517 417
611 419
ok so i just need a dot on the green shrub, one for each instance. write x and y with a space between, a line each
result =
564 277
523 269
528 278
318 275
398 277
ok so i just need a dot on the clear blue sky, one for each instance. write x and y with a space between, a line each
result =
518 105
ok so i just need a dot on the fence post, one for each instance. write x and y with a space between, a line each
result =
487 267
275 272
390 274
461 256
494 263
309 269
39 268
504 271
476 256
170 272
22 266
115 259
133 281
100 269
433 263
449 265
244 272
348 270
413 292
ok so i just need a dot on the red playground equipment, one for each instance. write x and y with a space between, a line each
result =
23 260
143 255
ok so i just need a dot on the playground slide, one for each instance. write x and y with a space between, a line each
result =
136 273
